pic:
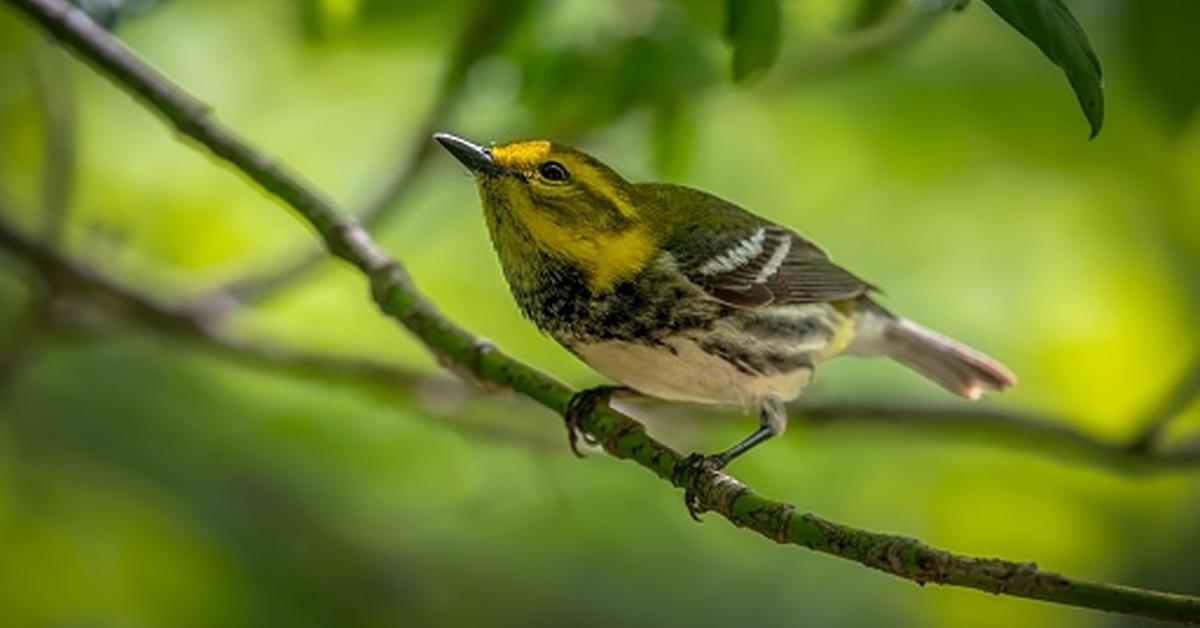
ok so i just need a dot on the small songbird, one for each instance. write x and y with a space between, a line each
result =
680 295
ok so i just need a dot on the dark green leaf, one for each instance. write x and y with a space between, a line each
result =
753 28
1050 25
584 83
1164 48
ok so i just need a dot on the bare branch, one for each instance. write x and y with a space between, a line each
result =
1174 403
1047 434
903 28
435 394
59 278
620 435
483 30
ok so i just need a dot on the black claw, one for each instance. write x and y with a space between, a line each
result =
693 505
699 464
571 417
582 403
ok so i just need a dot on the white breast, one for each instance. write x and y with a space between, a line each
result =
688 373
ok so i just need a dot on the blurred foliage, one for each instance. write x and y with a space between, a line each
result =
872 12
145 483
754 31
1162 42
580 83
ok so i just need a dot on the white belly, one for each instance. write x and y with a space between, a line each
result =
688 374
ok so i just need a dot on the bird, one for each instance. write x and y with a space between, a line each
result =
679 295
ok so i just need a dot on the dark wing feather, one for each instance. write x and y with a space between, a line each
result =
772 265
739 258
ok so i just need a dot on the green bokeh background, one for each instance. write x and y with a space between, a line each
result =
145 482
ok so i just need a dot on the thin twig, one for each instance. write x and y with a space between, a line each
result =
1049 434
903 28
620 435
186 322
72 279
1174 403
56 98
483 30
27 334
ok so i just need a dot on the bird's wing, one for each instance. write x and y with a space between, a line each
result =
764 264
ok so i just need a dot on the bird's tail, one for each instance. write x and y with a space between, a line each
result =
953 365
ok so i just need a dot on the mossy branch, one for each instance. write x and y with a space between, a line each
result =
620 435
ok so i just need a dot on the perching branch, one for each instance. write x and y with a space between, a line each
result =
621 436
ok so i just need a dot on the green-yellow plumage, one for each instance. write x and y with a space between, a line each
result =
678 294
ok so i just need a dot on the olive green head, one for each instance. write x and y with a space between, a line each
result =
543 198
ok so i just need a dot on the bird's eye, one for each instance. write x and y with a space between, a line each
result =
553 171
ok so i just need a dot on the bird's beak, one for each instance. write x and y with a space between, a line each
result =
475 157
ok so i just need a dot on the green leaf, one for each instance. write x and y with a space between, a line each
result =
1050 25
754 29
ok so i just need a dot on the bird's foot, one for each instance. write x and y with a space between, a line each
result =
697 465
580 405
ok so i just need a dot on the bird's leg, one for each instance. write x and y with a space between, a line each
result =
584 402
772 420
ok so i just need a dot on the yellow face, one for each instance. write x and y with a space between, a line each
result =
562 180
571 206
